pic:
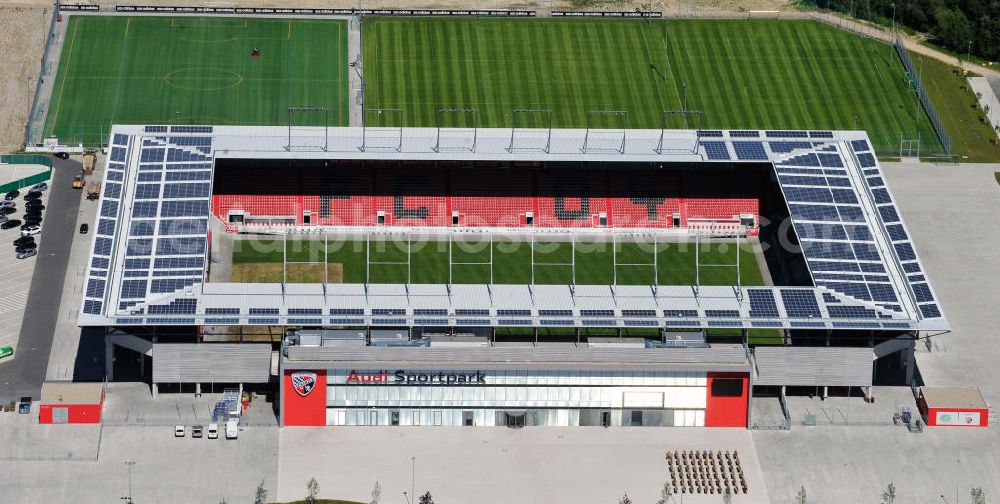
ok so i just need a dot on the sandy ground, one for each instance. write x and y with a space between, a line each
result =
24 29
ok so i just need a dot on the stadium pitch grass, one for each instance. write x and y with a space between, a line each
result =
387 262
755 74
195 70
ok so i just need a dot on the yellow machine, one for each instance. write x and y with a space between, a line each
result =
78 182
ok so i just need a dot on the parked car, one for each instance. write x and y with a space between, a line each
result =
7 210
178 431
62 155
33 211
84 228
31 230
4 204
11 195
25 248
41 186
13 223
213 431
27 253
34 204
33 195
31 220
24 240
196 431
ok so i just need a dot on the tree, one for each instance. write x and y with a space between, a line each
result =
426 498
376 493
312 489
261 495
889 495
800 498
666 493
625 499
978 495
727 496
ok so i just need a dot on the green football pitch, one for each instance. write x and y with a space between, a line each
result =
504 262
148 70
775 74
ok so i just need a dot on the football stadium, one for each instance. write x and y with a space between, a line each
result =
497 221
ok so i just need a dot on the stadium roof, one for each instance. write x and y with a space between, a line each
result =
150 246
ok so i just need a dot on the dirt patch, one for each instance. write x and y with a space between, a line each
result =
257 273
306 273
24 29
335 273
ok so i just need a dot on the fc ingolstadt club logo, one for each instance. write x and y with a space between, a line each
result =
303 382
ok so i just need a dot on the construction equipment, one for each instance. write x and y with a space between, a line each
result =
89 159
78 182
93 190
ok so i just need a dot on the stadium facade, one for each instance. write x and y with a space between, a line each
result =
152 256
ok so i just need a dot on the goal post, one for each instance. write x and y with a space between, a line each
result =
308 129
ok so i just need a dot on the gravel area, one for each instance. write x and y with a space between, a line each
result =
24 28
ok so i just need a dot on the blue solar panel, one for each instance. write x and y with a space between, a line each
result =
191 141
95 288
102 246
136 273
820 231
830 160
680 313
188 175
481 322
114 176
838 182
923 292
888 213
916 278
820 134
117 154
431 321
716 150
866 160
638 313
787 134
178 273
109 208
785 170
803 181
147 191
722 313
151 155
827 250
179 262
875 181
881 196
833 266
807 324
866 252
112 190
169 285
315 321
119 139
882 292
561 322
176 307
858 233
638 323
92 307
196 190
139 247
594 313
896 232
850 312
762 303
133 289
724 323
851 213
905 252
504 321
184 208
808 194
222 321
841 277
784 147
844 196
930 311
180 246
814 212
312 311
750 150
190 129
99 262
106 227
151 176
800 304
859 145
911 267
361 311
144 209
142 228
765 323
744 133
263 311
710 133
801 160
175 227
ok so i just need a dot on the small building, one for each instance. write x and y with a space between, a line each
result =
953 407
73 403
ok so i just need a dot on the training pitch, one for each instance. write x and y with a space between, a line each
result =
190 70
755 74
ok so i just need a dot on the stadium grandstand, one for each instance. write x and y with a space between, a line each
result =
169 187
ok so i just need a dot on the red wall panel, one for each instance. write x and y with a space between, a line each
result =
308 409
727 410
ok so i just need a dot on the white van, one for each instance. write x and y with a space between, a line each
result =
232 428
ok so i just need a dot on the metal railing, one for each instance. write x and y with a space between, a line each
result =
925 99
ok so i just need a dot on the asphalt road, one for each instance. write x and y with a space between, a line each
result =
24 375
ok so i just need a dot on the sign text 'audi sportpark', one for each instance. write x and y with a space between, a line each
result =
401 377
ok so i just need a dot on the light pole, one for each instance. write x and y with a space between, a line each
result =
685 105
893 18
413 476
129 463
968 55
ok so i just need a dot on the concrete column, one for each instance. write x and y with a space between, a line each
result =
156 390
197 389
109 359
907 355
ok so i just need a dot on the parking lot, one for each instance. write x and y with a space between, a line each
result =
15 273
